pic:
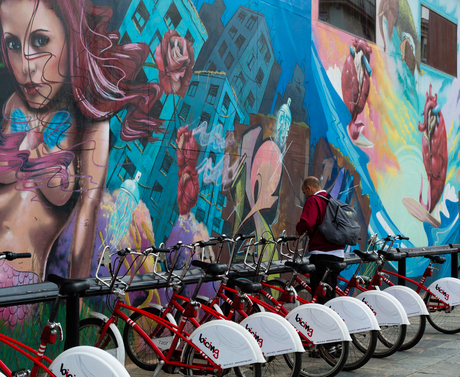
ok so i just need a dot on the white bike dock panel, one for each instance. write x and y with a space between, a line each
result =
227 344
447 289
87 361
357 315
387 309
409 299
318 323
274 334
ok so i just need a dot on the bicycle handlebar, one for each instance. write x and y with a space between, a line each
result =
8 255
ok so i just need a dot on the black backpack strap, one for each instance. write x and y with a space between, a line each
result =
319 213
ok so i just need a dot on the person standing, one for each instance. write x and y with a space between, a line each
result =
321 250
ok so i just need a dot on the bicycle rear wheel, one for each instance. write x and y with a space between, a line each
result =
90 335
324 360
362 348
138 350
443 317
191 357
414 332
390 339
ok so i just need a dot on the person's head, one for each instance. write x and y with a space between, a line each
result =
35 48
310 186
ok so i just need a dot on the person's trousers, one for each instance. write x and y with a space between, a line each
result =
320 262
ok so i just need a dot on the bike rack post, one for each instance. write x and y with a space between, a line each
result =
72 319
454 262
401 270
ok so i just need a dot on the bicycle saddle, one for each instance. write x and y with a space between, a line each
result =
336 266
213 269
69 286
301 268
246 286
365 257
392 256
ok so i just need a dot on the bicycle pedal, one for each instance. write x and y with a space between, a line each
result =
21 373
314 354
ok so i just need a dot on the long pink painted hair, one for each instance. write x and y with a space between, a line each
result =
102 81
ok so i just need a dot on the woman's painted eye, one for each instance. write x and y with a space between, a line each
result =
12 43
40 40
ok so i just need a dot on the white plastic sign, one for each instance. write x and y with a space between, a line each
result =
226 343
388 310
318 323
357 315
273 333
409 299
447 289
87 361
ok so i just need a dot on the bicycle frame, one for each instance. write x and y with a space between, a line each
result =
177 330
27 352
380 277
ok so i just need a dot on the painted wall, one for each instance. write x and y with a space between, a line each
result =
204 119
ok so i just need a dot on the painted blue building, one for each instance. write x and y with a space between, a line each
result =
210 109
245 53
147 21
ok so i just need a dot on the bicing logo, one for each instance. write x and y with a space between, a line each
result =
208 345
258 339
369 305
65 372
442 291
304 325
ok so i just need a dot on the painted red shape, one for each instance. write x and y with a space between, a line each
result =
356 83
434 150
187 157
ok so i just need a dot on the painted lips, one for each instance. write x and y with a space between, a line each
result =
31 88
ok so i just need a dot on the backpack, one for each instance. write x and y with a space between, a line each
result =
340 225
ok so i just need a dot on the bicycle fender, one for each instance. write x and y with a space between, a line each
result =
356 314
273 333
120 351
387 309
318 323
409 299
447 290
87 361
169 316
227 344
208 301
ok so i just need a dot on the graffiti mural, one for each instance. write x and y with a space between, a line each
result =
127 123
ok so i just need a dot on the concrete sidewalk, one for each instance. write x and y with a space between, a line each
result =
436 354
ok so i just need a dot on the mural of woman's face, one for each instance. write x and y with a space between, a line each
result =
37 49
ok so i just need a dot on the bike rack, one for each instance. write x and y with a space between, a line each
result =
47 291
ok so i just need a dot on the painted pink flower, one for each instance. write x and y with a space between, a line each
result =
175 60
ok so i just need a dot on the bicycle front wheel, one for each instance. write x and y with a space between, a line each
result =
193 358
443 317
138 350
90 330
390 340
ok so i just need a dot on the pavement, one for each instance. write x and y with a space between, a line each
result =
436 354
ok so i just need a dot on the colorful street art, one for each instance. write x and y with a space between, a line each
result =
128 123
